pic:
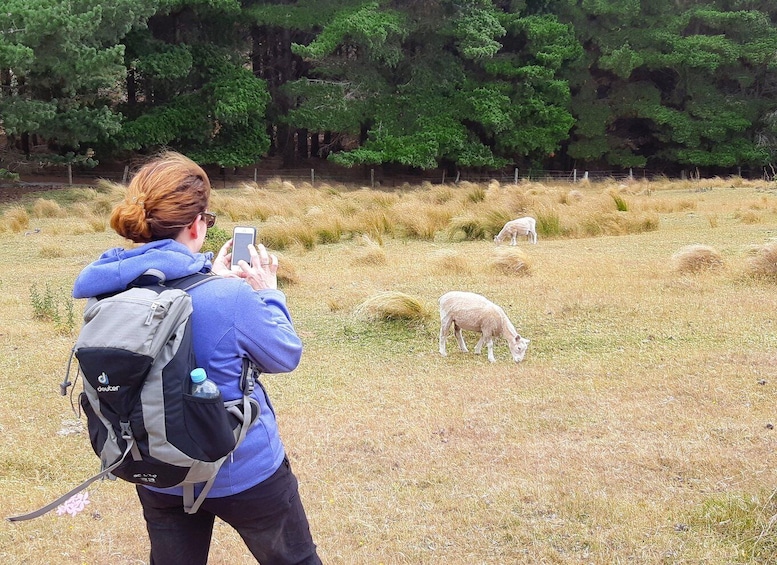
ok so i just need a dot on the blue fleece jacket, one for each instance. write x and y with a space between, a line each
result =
230 320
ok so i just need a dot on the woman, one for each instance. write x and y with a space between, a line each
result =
238 314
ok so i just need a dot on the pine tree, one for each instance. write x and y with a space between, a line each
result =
60 63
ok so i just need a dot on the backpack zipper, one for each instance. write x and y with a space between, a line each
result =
151 312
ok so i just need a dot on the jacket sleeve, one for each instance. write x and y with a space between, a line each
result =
263 328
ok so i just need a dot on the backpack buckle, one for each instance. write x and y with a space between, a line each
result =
248 377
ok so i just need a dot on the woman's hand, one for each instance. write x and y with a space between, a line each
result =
262 272
222 262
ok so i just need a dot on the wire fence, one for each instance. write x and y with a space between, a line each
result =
362 177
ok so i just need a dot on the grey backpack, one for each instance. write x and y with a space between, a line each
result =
135 354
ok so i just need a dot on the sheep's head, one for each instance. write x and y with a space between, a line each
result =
518 347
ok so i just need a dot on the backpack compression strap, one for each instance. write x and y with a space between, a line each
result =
51 506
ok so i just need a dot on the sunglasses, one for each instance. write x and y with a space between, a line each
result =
210 219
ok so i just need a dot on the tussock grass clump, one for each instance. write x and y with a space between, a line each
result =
763 263
448 261
570 197
478 193
421 221
328 232
277 183
16 219
85 212
494 219
748 217
439 194
103 204
392 305
696 258
370 255
105 186
251 208
616 223
52 252
98 224
470 227
510 261
280 233
548 223
87 194
45 208
326 224
516 203
644 223
374 222
82 210
535 188
370 199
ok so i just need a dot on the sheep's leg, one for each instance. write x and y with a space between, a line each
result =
513 241
444 329
491 350
459 338
489 343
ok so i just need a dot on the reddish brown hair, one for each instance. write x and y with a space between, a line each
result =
164 196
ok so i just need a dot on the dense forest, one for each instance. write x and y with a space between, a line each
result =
659 85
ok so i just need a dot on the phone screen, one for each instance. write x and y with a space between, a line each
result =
242 237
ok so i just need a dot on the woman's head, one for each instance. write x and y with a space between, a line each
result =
166 195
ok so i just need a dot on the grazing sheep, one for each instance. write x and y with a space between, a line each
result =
473 312
522 226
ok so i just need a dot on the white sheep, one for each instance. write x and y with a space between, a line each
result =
522 226
474 312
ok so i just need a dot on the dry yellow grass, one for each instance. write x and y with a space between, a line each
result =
639 428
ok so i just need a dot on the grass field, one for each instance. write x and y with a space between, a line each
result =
638 429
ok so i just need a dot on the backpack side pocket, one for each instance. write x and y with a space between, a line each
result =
98 433
207 423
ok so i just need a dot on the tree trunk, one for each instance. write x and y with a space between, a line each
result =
302 144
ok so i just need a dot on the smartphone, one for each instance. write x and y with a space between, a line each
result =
242 237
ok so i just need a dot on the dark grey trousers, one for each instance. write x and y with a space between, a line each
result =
269 517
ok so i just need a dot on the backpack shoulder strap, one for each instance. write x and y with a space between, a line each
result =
155 277
190 281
